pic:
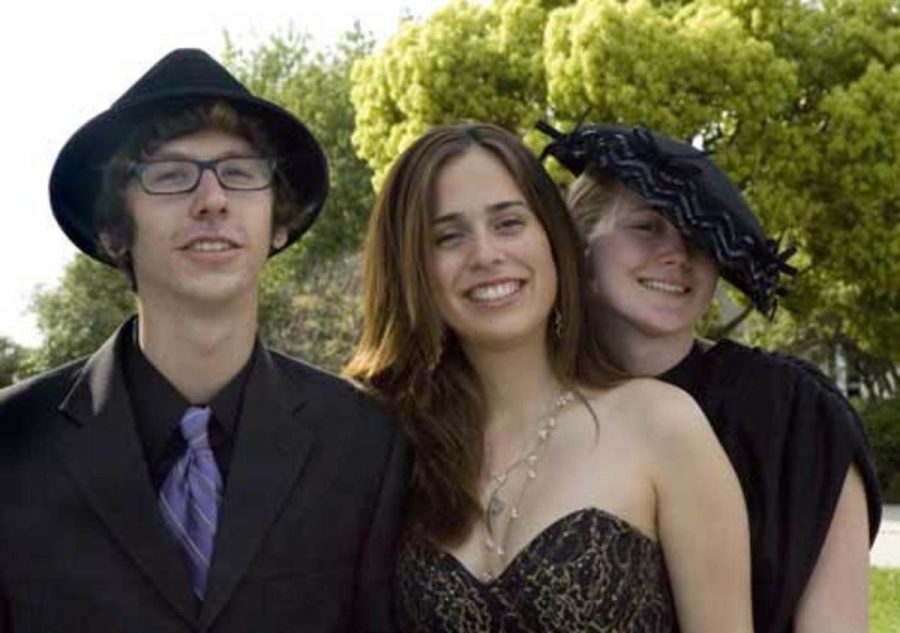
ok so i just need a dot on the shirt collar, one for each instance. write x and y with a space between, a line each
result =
158 406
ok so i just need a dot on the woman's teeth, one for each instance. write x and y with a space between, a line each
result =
664 286
493 292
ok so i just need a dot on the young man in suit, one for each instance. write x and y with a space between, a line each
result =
184 477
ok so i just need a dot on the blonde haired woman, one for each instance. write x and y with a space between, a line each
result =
661 222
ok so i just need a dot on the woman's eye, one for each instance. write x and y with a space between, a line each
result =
649 225
508 225
448 238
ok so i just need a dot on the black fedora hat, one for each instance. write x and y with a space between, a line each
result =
686 186
181 79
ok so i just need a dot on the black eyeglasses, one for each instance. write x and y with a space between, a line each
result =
234 173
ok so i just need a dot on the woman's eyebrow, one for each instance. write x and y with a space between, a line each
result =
506 204
493 207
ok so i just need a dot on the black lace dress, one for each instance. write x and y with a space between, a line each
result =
589 571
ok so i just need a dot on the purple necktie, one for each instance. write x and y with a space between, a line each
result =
191 494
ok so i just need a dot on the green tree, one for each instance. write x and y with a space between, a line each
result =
11 356
75 318
315 85
467 61
798 100
832 157
325 315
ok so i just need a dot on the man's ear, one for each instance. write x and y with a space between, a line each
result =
279 238
113 246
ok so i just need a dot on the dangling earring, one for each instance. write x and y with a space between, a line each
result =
557 322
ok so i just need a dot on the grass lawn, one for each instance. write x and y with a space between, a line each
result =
884 608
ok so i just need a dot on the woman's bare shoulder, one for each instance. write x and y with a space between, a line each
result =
660 411
645 397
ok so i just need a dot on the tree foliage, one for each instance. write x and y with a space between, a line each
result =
837 166
881 420
799 101
468 61
75 318
324 317
11 357
315 86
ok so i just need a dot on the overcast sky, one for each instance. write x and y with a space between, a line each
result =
64 61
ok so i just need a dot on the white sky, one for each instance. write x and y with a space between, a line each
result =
64 61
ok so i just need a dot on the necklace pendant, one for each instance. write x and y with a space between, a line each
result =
495 507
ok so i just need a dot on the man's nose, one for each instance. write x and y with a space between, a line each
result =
210 197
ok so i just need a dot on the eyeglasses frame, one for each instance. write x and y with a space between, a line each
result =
139 166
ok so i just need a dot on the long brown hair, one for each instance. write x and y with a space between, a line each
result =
407 357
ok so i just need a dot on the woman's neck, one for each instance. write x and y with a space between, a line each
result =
519 384
642 355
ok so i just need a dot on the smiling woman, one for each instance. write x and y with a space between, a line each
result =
652 281
492 264
661 221
549 492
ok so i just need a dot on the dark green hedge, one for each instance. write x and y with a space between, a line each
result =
882 420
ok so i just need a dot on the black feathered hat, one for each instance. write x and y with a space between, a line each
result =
688 188
181 79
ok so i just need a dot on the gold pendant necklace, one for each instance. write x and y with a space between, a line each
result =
496 507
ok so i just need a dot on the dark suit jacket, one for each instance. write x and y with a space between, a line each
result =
307 525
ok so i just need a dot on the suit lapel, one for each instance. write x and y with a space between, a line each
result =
100 448
271 447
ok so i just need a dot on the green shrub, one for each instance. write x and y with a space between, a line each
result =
882 420
317 319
